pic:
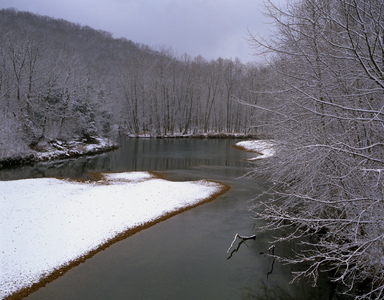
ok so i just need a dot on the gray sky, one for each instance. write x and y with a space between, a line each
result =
211 28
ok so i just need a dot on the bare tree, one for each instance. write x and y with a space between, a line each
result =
327 60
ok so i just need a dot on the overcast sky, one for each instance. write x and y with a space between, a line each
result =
211 28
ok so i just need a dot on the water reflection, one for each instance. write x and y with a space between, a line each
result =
184 257
140 155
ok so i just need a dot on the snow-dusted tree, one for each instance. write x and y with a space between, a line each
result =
59 79
133 83
327 59
45 92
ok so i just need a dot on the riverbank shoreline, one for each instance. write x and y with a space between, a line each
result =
263 148
116 184
220 135
59 149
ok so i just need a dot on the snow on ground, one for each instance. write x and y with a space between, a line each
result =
58 149
47 222
265 148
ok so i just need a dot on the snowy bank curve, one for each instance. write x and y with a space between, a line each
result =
49 225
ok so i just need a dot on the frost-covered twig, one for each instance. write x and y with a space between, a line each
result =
244 238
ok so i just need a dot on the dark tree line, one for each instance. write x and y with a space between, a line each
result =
62 80
326 117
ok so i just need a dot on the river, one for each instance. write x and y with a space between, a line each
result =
184 257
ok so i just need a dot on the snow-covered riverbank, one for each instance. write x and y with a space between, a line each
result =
207 135
58 149
265 148
47 223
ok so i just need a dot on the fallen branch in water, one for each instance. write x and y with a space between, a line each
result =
244 238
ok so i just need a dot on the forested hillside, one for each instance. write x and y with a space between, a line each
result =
63 80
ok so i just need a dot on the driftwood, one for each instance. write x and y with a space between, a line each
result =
243 238
271 249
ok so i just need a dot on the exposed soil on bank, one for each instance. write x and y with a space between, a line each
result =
24 292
